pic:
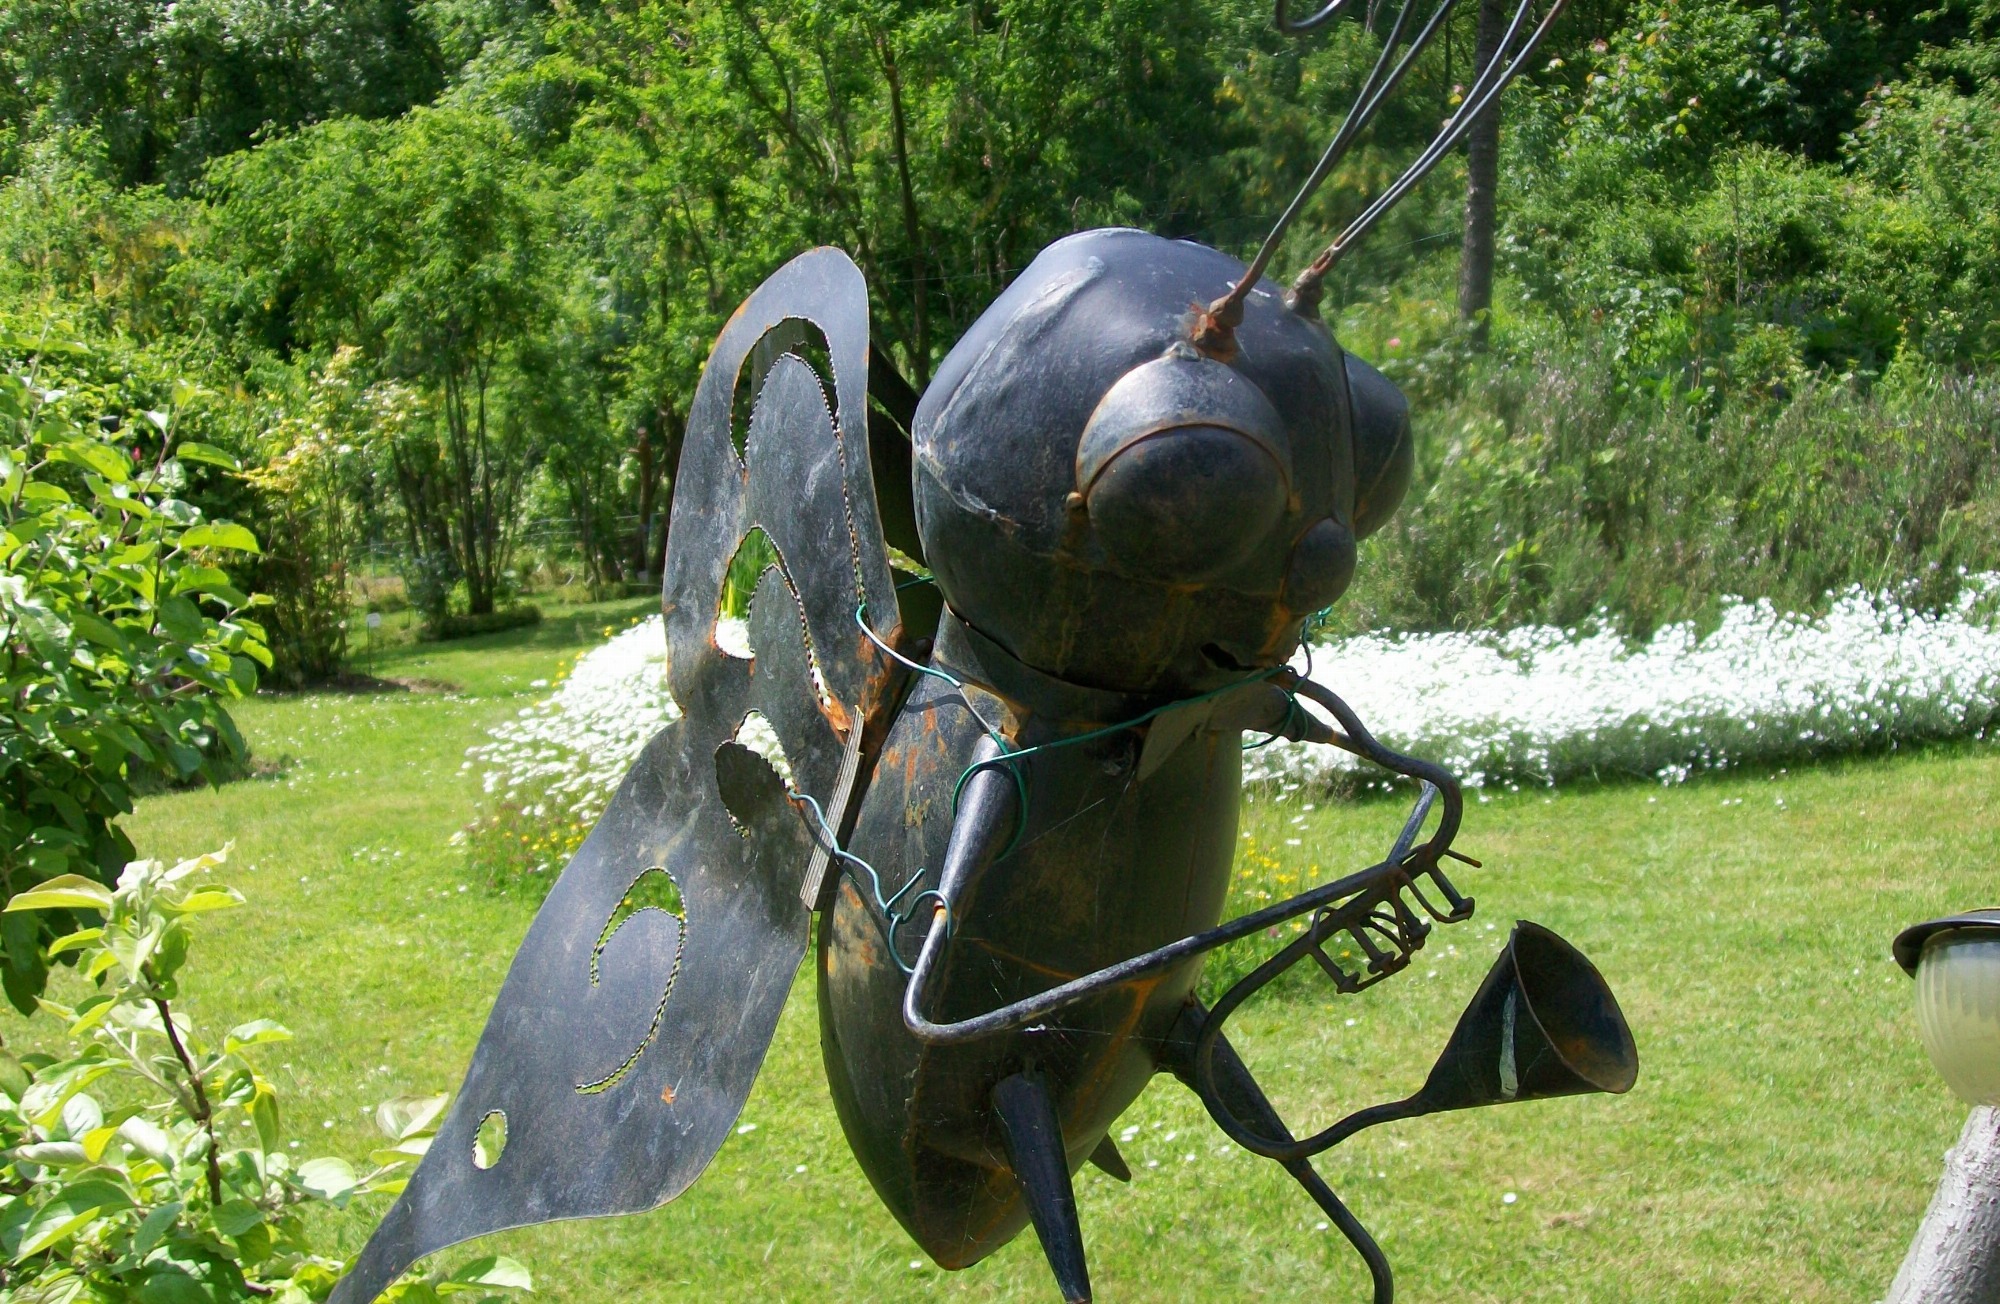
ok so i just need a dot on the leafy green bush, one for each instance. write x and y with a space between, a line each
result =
1544 495
120 636
1661 211
517 616
139 1195
309 490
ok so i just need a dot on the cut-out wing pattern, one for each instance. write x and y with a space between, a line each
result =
626 1036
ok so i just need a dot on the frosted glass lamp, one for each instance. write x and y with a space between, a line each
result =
1956 962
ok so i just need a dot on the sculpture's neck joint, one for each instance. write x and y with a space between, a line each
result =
1040 706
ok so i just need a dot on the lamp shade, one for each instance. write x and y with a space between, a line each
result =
1956 962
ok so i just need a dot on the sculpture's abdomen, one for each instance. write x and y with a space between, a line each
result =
1105 867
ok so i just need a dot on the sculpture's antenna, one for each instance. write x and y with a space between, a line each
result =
1214 331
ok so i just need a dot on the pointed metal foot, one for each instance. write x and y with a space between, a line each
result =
1035 1150
1107 1159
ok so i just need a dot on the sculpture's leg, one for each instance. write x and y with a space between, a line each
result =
1246 1100
1035 1149
1107 1158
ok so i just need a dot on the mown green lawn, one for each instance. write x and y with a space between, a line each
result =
1780 1145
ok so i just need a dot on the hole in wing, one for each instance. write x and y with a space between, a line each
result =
653 890
633 967
760 605
757 734
783 641
750 783
793 335
490 1141
755 554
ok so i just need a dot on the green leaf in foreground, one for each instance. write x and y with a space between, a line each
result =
491 1270
257 1032
189 451
221 535
64 892
165 1196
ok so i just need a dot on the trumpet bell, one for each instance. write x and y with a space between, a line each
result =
1543 1024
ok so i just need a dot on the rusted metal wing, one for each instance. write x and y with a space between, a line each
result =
641 1003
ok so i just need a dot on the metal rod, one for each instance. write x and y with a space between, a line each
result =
1026 1011
1215 327
1415 824
1381 1277
1282 1149
1358 116
1486 87
1373 885
1285 24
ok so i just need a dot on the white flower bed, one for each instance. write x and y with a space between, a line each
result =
1542 705
567 752
1535 705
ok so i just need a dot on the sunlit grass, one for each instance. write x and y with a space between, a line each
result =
1780 1145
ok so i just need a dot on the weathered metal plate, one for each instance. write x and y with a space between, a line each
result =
626 1038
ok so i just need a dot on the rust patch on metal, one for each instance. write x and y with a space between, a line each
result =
1212 328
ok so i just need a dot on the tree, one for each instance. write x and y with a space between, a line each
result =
942 146
1482 184
425 243
120 635
170 84
308 494
456 285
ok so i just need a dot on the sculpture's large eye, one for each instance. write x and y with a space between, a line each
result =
1384 457
1184 468
1321 567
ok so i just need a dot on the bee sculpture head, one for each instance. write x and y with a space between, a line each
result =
1120 507
1144 468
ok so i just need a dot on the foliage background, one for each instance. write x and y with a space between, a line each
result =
429 282
121 635
474 251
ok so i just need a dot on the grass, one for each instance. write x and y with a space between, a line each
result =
1781 1143
487 660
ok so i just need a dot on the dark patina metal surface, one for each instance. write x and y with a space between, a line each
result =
1908 948
624 1042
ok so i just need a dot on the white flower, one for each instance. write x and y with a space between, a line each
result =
1537 705
571 749
1541 705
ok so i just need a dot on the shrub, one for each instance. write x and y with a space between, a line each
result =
518 616
120 636
1542 705
308 491
1662 208
551 769
1537 704
145 1199
1545 496
429 578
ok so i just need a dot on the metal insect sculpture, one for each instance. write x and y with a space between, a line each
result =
1009 794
